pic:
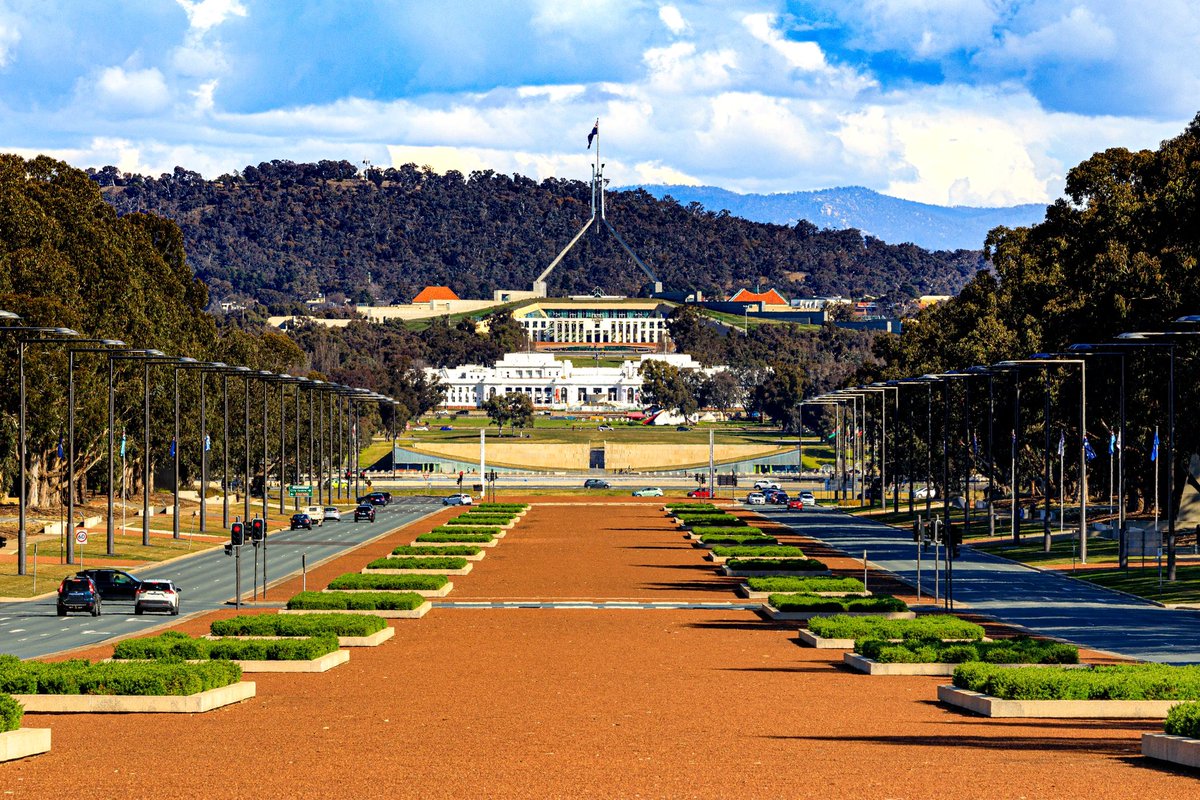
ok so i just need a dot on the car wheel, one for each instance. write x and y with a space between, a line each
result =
96 610
137 610
62 612
175 611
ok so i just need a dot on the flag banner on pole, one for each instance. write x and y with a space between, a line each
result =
1062 443
122 444
1088 452
172 448
974 443
595 132
1112 443
1118 440
207 443
60 448
1154 449
832 435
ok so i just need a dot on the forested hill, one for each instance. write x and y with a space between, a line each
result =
281 232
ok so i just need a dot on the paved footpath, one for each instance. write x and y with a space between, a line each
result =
1046 602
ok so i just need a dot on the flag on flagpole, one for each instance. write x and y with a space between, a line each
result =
1088 452
1062 443
1118 440
1112 443
595 132
207 443
172 448
1154 449
832 435
60 448
122 444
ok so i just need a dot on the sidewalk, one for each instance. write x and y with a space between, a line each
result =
1045 602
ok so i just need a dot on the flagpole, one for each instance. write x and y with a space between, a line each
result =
1062 486
1157 534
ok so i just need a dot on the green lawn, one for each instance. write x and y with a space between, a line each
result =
740 322
1143 582
1100 551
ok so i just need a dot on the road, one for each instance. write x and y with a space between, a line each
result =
32 628
1047 602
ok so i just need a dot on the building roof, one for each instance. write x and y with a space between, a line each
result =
769 297
431 293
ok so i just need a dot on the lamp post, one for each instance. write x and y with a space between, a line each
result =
202 372
127 355
177 444
817 401
147 362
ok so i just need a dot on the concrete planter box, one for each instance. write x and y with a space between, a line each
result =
722 559
1175 749
442 592
463 571
870 667
321 664
989 706
388 613
745 591
492 543
773 573
476 557
812 640
135 704
374 640
708 546
775 613
24 742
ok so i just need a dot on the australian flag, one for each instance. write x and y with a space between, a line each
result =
122 445
1088 452
595 132
60 448
1154 449
207 443
172 448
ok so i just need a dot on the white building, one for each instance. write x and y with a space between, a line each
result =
553 384
604 321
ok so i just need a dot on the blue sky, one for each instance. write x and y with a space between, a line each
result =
971 102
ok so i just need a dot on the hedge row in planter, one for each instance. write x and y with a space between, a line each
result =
298 625
11 713
1021 650
1184 720
814 602
779 565
467 535
478 520
175 645
727 536
690 506
931 627
763 551
1119 682
805 585
448 562
355 601
86 677
359 581
500 506
417 550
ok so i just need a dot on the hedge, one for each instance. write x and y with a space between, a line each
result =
501 506
814 602
1184 720
778 565
931 627
1021 650
741 535
175 645
479 520
806 585
298 625
1119 682
490 530
85 677
689 506
417 550
446 562
11 713
469 535
355 601
780 550
713 522
700 512
358 580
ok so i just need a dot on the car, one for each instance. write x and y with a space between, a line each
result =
333 513
457 500
421 428
682 428
701 493
796 504
365 511
446 428
756 499
808 498
78 593
777 497
596 483
649 491
301 520
763 483
375 499
114 584
316 514
925 493
157 595
605 428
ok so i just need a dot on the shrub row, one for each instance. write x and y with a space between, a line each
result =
778 564
1119 682
813 602
1021 650
358 581
748 533
713 521
932 627
298 625
805 585
1184 720
86 677
417 550
479 520
467 535
491 530
501 506
356 601
700 512
174 645
446 562
11 713
778 550
689 506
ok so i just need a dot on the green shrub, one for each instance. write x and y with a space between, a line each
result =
85 677
447 536
500 506
813 602
492 530
743 536
1021 650
298 625
417 550
931 627
478 520
777 564
1120 682
172 646
11 713
359 581
356 601
805 585
763 551
690 507
447 562
1183 720
713 522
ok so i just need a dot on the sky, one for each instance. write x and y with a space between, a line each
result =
952 102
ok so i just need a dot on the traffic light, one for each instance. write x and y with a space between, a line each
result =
258 530
237 534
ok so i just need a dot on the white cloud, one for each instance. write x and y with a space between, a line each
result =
673 19
140 91
805 56
204 15
10 37
1077 36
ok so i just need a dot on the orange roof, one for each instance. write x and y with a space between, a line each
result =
431 293
769 297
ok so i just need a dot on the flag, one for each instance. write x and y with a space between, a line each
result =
60 448
1154 450
1112 443
122 444
974 444
832 435
1014 438
172 448
1118 440
595 132
1062 444
207 443
1088 452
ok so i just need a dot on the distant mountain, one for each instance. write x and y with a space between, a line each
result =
888 218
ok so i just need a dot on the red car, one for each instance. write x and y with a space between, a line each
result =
702 493
796 503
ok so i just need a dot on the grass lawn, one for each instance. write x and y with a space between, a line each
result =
1100 551
1143 582
740 321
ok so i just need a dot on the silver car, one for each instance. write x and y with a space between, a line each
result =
157 595
332 513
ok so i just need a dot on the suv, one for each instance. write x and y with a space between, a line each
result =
776 497
114 584
316 514
457 500
301 520
376 498
157 595
763 483
365 511
596 483
78 593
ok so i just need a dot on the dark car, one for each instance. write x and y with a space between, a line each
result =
301 521
114 584
365 511
777 497
376 499
595 483
78 593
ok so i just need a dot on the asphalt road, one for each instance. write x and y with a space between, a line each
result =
29 629
1047 602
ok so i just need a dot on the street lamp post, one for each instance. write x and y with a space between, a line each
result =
127 355
177 444
202 372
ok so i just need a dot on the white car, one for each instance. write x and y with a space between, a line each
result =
605 428
808 499
333 513
925 493
756 499
156 595
649 491
316 514
765 484
457 500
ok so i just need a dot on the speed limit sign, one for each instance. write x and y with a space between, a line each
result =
81 536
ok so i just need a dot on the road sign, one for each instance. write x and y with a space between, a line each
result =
81 536
296 491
